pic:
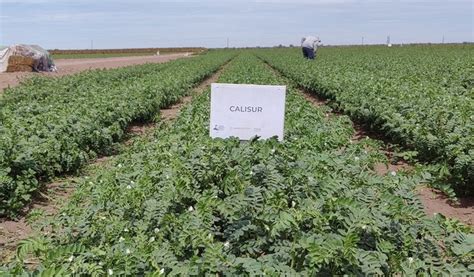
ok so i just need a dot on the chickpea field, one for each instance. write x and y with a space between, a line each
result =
176 202
421 97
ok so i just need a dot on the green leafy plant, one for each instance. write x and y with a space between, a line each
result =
181 203
50 126
418 96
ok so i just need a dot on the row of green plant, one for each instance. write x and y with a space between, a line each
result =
180 204
50 126
420 97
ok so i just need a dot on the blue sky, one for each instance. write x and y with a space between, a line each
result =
208 23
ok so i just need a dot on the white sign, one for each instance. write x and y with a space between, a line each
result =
245 111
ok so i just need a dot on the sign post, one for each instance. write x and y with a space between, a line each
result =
245 111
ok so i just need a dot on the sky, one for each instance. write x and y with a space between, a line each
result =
82 24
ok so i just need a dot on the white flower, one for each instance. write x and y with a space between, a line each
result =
226 244
119 166
121 239
167 176
273 151
129 187
251 172
156 230
125 230
132 182
356 158
410 260
70 258
190 208
267 228
293 204
90 183
110 272
127 251
393 173
101 263
162 271
364 227
152 239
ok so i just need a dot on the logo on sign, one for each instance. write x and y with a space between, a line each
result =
218 128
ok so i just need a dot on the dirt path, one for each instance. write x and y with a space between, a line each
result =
436 202
433 201
57 193
71 66
172 112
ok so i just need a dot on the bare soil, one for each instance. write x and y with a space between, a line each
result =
71 66
435 201
55 194
48 203
314 99
172 112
